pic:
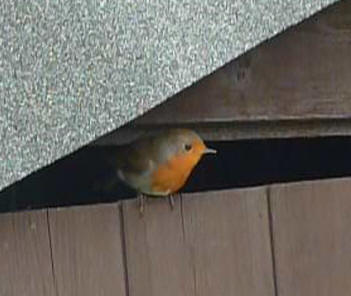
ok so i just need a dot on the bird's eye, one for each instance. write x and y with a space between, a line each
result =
188 147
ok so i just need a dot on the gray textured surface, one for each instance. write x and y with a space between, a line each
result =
71 71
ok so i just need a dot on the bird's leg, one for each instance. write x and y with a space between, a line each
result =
142 201
171 201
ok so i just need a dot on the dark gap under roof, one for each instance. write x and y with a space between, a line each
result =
243 163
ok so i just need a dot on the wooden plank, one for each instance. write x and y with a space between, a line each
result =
25 260
211 244
157 261
87 250
312 237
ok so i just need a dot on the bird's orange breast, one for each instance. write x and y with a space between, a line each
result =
171 176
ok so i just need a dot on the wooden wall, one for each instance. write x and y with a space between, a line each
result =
288 239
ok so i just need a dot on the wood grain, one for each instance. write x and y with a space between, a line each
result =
312 237
25 261
87 250
211 244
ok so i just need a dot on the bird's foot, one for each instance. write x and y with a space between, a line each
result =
142 202
171 201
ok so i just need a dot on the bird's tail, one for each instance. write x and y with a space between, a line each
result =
107 181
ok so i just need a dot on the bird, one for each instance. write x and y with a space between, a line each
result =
160 164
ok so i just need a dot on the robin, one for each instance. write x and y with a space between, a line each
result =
159 165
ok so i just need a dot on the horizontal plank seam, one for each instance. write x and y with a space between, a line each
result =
51 252
265 119
272 242
124 248
235 130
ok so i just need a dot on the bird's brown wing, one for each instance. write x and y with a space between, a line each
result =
136 158
131 159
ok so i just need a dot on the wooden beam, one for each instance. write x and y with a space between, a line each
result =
259 129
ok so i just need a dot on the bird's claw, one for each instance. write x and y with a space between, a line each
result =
171 201
141 204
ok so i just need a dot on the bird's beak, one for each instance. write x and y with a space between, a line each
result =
209 150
